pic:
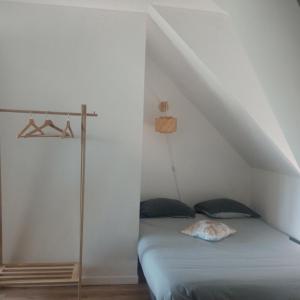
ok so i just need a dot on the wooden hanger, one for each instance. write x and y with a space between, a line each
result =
31 123
47 123
68 132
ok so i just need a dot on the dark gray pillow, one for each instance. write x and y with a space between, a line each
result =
225 209
162 207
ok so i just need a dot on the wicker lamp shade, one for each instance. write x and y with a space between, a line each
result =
166 124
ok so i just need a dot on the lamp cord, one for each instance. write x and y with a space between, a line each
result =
172 161
173 168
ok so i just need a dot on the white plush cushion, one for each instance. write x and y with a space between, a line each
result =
209 230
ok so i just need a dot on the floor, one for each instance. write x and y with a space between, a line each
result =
114 292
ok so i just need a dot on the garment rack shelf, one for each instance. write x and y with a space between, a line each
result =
39 274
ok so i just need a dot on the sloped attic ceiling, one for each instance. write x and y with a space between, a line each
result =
213 71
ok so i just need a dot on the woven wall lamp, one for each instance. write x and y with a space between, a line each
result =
165 124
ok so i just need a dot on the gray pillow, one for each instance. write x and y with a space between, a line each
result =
225 209
163 207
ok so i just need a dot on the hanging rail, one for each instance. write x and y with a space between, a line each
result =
77 267
46 112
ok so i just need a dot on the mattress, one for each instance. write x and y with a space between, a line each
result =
258 262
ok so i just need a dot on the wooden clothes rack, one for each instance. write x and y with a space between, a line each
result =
45 274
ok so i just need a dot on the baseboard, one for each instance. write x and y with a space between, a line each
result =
103 280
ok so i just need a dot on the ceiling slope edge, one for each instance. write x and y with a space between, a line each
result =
200 5
214 84
128 5
139 6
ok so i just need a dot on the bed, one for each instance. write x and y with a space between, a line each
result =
258 262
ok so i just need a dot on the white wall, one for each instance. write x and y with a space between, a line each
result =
269 31
272 46
187 67
277 198
57 58
207 166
